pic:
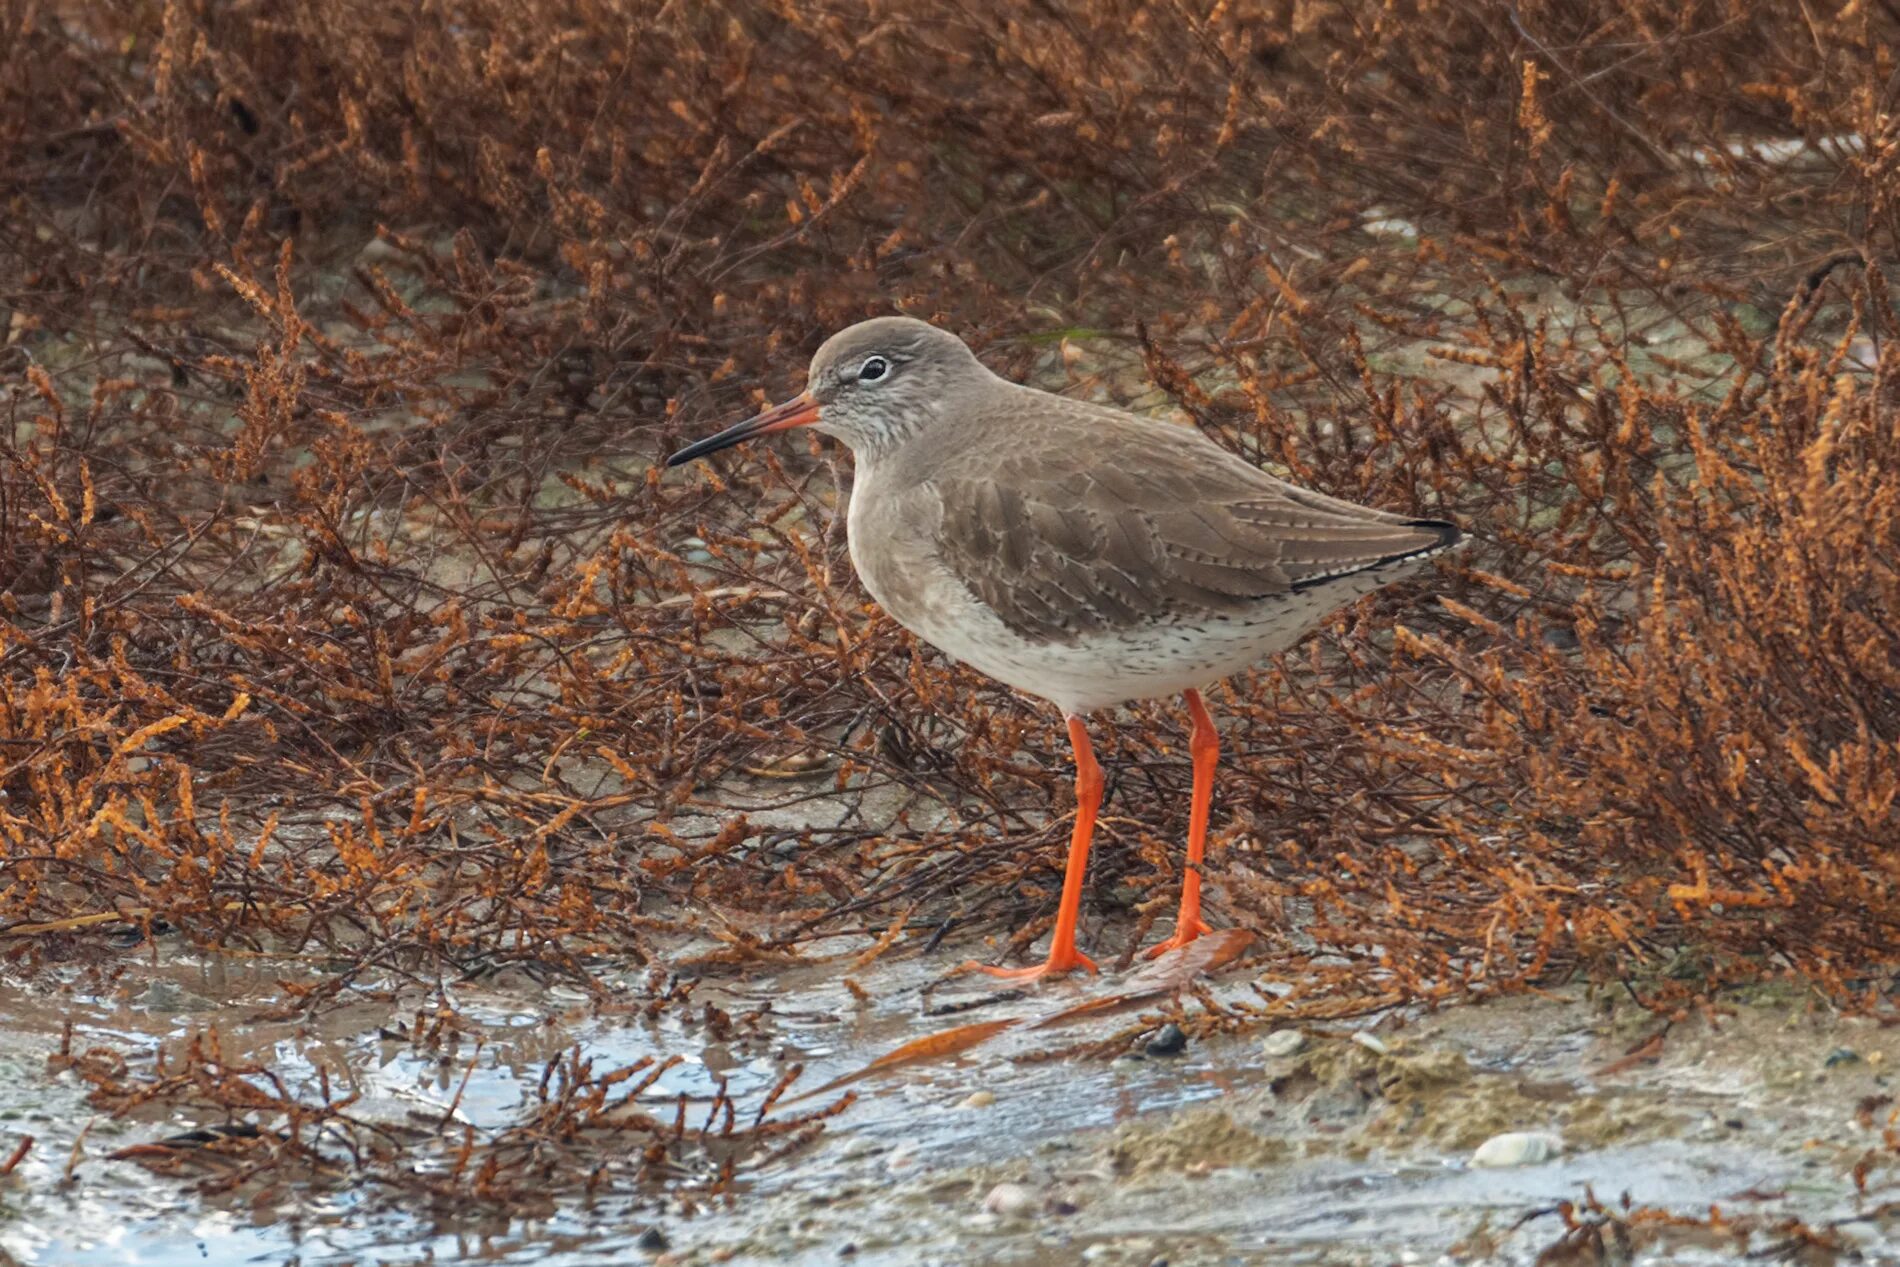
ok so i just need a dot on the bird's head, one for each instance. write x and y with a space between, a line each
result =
870 385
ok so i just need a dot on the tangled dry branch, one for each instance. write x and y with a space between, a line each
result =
345 610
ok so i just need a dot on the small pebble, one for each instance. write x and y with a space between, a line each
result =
1137 1249
1372 1043
1286 1042
1009 1199
653 1240
901 1159
977 1100
1171 1041
381 253
1516 1148
164 996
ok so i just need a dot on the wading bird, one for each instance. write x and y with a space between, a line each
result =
1075 552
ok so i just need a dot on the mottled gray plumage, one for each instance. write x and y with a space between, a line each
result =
1073 550
1093 520
1076 552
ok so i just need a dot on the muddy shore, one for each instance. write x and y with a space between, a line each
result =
1328 1145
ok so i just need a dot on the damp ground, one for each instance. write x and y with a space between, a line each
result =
1338 1144
1740 1133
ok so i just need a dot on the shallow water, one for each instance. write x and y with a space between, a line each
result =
1345 1156
114 1212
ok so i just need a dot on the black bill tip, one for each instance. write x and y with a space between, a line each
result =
799 411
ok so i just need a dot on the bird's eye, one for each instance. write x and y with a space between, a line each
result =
874 368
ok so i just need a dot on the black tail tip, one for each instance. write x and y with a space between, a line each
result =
1449 534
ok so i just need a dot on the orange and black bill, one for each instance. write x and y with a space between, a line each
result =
799 411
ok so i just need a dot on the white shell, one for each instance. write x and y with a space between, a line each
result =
1517 1148
1007 1199
1284 1042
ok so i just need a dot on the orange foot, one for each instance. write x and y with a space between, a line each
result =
1185 931
1055 966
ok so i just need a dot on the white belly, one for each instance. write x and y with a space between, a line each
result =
1099 671
1092 671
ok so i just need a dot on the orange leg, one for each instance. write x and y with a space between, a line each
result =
1063 956
1204 746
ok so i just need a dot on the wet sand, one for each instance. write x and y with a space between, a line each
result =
1349 1150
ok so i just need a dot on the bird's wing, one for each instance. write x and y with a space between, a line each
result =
1172 527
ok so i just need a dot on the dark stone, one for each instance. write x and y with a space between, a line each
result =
1171 1041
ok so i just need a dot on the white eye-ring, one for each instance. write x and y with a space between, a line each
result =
874 368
